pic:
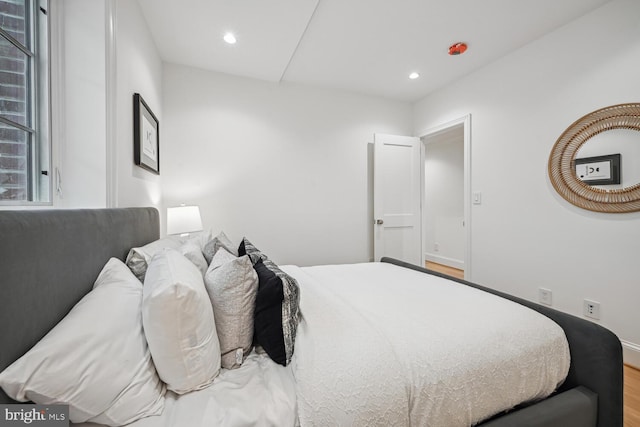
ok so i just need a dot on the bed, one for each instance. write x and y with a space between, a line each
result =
50 260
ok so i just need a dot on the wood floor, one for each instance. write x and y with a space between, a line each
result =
631 375
631 397
454 272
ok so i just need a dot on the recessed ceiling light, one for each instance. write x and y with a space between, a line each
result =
414 76
230 38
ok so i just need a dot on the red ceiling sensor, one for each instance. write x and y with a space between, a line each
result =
457 48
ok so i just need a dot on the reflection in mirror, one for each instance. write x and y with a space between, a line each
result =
625 142
604 132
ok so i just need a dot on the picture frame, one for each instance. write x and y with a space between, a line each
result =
598 170
146 136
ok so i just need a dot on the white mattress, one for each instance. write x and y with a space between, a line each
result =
381 345
259 393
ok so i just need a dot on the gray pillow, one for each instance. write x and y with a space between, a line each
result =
191 247
220 241
138 258
191 250
232 284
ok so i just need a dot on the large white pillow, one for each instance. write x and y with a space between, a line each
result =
232 284
179 324
96 360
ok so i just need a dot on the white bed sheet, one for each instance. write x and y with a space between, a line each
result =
259 393
381 345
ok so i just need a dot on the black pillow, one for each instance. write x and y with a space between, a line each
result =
267 321
276 314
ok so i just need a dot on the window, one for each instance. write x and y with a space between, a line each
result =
24 102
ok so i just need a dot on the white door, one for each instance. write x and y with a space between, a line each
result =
397 198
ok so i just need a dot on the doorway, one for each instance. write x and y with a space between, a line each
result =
446 195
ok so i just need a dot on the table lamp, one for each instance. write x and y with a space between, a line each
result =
183 220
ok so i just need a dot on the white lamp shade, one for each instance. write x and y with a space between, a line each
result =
183 219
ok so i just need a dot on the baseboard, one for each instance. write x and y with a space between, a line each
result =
631 353
450 262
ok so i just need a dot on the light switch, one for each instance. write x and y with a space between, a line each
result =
477 198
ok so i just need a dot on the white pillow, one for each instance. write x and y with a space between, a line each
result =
178 323
191 250
96 360
138 258
232 284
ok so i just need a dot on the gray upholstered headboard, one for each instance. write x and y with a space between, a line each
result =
49 260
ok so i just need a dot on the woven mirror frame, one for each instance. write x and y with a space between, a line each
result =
562 161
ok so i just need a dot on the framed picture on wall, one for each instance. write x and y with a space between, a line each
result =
146 136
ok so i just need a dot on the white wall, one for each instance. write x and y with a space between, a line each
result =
139 69
523 234
286 165
443 210
81 80
79 103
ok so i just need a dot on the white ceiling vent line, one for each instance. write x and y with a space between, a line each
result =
284 71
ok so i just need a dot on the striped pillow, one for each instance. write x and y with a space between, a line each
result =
277 306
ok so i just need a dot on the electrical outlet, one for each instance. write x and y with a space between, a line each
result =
545 296
592 309
436 247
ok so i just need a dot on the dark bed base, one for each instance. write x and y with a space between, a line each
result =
50 259
593 389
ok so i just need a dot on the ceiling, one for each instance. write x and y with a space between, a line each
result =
364 46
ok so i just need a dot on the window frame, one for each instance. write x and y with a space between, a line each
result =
38 128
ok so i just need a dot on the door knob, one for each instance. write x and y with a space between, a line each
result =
379 222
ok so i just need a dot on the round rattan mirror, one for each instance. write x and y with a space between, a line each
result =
562 170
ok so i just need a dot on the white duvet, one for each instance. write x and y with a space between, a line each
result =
381 345
260 393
